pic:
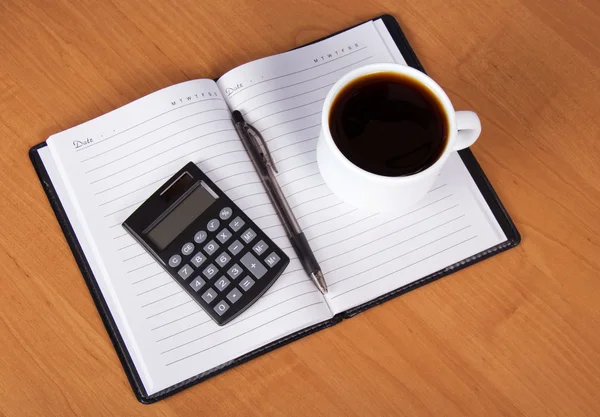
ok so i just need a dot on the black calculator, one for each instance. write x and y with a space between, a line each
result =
207 244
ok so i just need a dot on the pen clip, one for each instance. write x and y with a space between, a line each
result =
261 145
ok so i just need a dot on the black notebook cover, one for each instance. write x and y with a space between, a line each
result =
513 239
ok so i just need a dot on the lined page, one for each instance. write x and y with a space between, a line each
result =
363 255
110 165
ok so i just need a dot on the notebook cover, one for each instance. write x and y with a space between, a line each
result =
513 239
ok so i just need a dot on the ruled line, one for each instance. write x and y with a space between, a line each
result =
389 247
127 246
293 131
379 225
370 268
145 121
245 317
405 267
244 333
167 163
174 147
178 319
318 211
152 131
156 288
290 121
287 98
302 82
156 143
134 256
292 144
283 111
170 309
140 267
296 72
164 298
144 279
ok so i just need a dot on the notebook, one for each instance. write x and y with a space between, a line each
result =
96 174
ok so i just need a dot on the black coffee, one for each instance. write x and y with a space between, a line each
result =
389 124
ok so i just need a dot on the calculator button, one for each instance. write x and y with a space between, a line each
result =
234 295
224 235
200 236
209 295
221 308
198 259
197 283
213 225
260 247
253 265
272 259
225 213
222 283
174 261
236 224
234 271
249 235
211 247
247 283
235 247
185 271
210 271
223 259
187 249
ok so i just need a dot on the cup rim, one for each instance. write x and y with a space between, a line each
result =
404 70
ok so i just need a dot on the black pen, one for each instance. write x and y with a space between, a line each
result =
265 167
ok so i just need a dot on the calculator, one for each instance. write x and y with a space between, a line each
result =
208 245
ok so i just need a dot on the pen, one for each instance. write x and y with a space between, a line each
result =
265 167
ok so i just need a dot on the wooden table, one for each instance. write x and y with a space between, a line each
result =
518 334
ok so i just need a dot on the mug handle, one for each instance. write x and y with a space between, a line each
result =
469 129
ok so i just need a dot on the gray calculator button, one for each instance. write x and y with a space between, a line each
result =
235 247
235 271
213 225
248 235
253 265
187 249
246 283
224 235
222 283
225 213
211 247
210 271
200 236
223 259
185 271
197 283
221 308
272 259
209 295
198 259
236 224
234 295
260 248
174 261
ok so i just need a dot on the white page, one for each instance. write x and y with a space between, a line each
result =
133 150
363 255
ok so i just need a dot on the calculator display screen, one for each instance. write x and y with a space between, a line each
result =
188 210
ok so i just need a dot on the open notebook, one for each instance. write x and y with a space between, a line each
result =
96 174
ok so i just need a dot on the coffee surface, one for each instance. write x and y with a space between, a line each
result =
389 124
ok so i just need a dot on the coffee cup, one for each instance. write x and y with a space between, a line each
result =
366 148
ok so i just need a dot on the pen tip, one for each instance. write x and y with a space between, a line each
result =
319 280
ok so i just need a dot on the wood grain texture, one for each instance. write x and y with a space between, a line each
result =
516 335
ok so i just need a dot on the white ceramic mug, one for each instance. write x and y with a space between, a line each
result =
366 190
